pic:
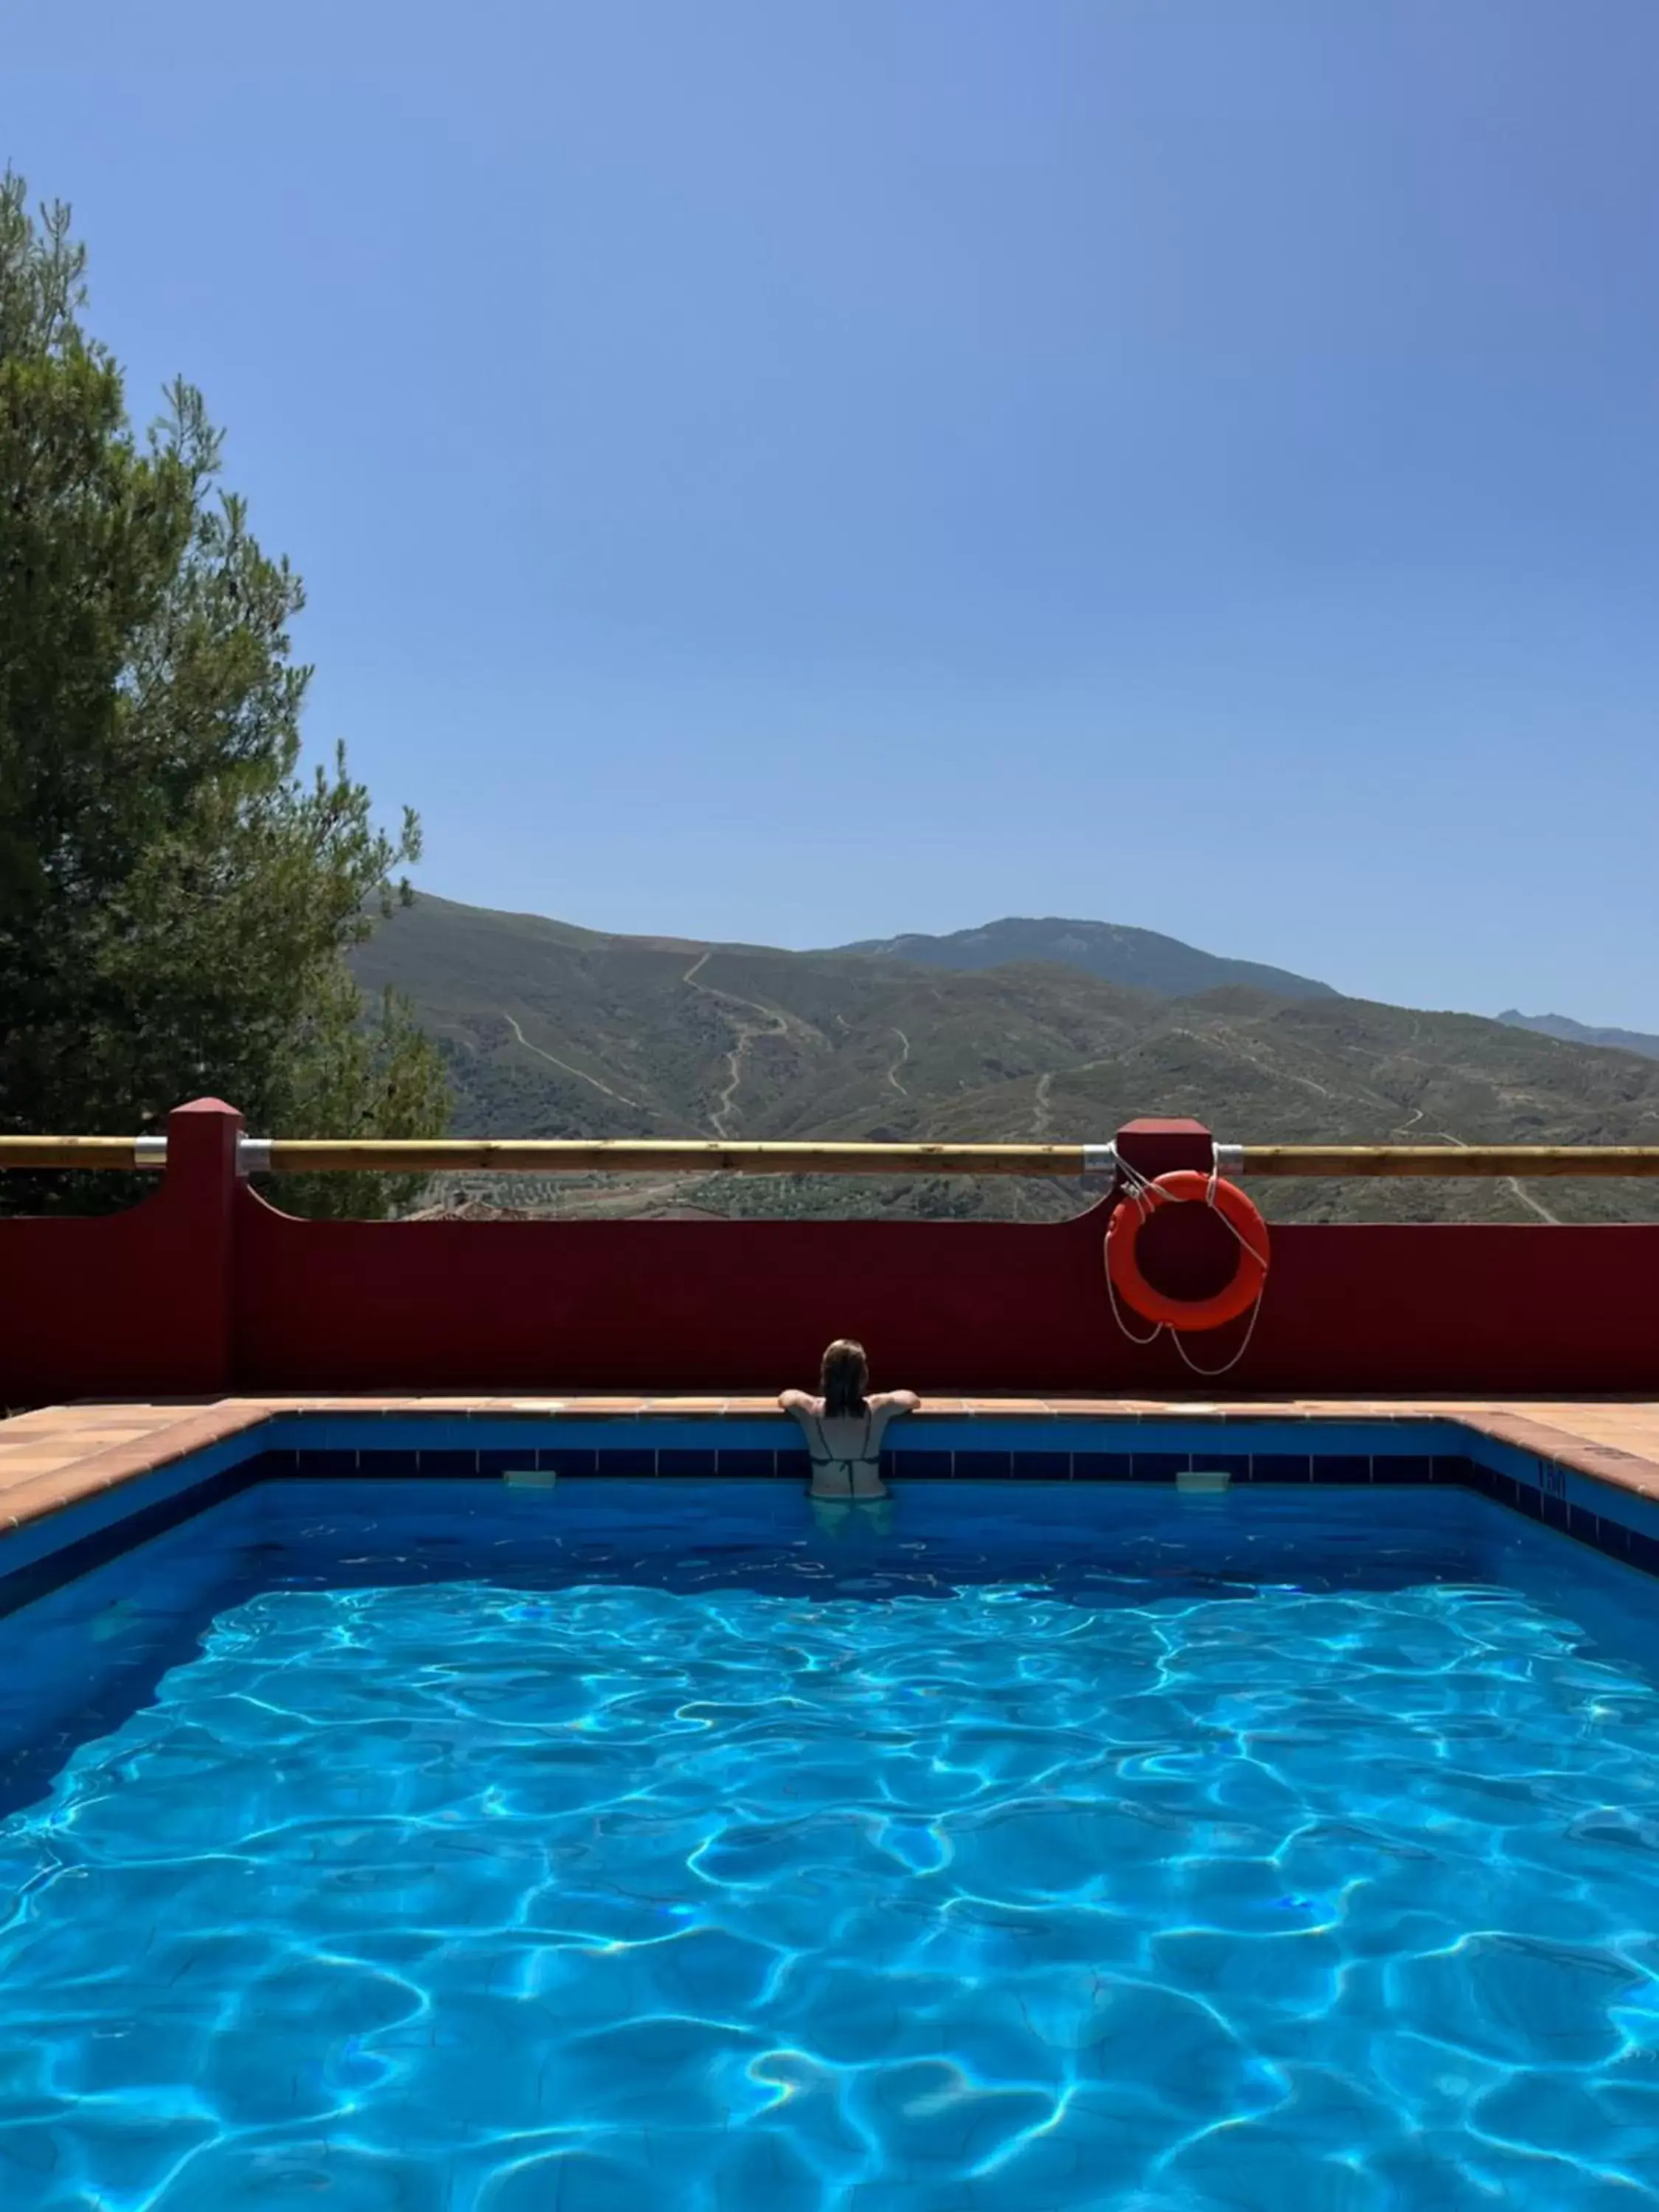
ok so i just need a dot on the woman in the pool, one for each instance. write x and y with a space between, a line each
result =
845 1424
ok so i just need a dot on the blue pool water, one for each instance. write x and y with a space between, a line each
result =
465 1850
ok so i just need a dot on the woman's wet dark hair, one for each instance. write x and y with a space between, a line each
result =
844 1377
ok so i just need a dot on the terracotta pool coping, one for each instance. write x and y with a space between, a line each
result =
58 1455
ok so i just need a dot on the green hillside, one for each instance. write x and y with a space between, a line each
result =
1139 958
560 1032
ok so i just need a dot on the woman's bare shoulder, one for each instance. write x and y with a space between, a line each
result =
800 1402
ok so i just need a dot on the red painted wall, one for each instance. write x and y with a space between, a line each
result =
205 1288
131 1305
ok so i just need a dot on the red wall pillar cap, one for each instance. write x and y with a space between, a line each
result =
1156 1146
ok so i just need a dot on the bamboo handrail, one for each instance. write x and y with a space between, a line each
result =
694 1156
1528 1160
625 1156
78 1152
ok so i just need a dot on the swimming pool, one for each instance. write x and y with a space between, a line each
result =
442 1846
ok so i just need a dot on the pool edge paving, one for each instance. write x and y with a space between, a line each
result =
104 1473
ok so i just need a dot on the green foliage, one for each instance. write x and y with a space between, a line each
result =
175 899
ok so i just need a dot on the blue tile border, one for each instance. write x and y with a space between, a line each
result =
1281 1467
1101 1466
1341 1467
1269 1450
48 1553
926 1465
630 1460
978 1466
747 1464
1041 1466
697 1461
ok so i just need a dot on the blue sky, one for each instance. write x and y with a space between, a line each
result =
800 472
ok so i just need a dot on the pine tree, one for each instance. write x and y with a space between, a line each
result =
176 899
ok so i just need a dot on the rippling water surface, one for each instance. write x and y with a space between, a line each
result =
656 1846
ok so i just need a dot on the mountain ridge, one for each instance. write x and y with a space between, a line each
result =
1568 1031
549 1030
1145 959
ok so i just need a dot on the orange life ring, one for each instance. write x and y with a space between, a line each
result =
1185 1185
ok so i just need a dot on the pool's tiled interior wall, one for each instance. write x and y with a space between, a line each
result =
1621 1523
